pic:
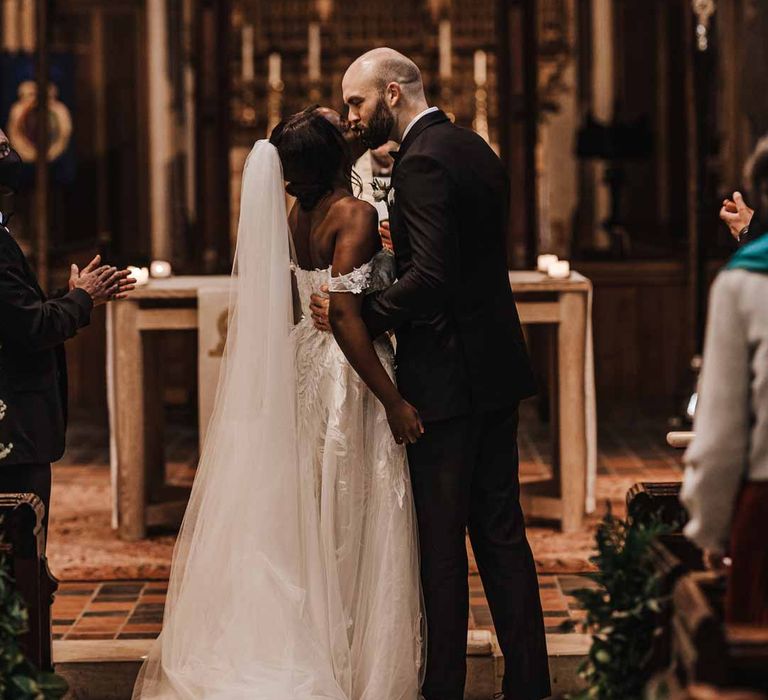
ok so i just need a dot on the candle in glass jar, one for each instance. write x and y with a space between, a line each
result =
544 261
140 274
160 268
561 269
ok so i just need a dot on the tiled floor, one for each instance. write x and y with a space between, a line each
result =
83 545
109 610
134 609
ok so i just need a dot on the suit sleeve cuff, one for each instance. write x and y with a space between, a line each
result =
85 302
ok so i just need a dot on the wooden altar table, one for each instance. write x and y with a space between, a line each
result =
141 499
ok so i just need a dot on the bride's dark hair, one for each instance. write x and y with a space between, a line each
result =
314 155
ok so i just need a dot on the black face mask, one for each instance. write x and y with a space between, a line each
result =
10 172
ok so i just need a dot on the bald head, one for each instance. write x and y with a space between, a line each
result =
384 66
381 86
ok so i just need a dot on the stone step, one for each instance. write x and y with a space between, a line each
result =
106 670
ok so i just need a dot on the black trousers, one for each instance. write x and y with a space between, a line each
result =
28 478
464 473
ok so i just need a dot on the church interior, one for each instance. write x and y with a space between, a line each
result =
623 125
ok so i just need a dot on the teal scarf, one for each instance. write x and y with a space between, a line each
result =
752 257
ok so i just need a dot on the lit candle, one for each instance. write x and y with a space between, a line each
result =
544 261
274 70
314 43
481 68
247 53
140 274
561 269
444 44
160 268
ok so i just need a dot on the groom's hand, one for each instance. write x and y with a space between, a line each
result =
318 306
386 235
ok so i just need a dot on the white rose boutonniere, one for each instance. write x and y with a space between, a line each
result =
383 192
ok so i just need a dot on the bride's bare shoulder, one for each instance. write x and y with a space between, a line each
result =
353 213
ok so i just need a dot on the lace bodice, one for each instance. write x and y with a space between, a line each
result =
377 274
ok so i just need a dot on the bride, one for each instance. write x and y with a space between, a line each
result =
295 574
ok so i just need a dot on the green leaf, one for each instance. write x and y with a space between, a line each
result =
25 685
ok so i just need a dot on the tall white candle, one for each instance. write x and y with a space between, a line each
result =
314 57
247 53
481 68
446 52
28 25
275 62
10 25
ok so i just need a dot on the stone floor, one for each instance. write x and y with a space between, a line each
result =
115 590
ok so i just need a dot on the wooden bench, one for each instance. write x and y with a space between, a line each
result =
23 546
706 652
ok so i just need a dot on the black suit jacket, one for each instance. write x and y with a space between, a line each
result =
460 346
33 370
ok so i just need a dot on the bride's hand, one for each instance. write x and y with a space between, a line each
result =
404 422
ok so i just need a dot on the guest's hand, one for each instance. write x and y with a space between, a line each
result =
102 283
386 235
715 561
736 215
318 306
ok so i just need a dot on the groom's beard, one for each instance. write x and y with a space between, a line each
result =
379 127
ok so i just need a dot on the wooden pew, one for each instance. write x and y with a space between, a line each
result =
673 555
23 545
707 653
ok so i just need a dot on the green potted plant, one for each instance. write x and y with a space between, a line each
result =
622 612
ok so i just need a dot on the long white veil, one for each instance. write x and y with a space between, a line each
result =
246 612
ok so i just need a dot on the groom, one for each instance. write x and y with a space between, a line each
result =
462 362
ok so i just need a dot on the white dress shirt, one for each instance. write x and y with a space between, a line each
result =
429 110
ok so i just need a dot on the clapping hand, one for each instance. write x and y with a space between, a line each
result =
736 215
102 283
715 561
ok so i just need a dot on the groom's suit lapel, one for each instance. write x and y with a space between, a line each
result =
425 122
400 237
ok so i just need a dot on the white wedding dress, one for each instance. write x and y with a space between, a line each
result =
296 573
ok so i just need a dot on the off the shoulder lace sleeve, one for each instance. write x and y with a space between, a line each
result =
355 282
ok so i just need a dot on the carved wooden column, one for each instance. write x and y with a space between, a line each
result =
42 68
603 95
212 128
518 122
160 128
